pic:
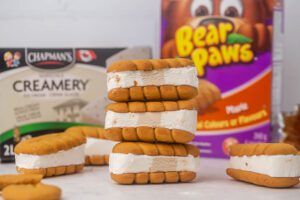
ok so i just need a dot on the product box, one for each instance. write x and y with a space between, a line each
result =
230 44
46 90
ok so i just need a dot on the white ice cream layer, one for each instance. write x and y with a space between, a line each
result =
181 119
169 76
95 146
74 156
274 166
129 163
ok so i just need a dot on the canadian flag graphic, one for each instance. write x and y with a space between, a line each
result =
86 55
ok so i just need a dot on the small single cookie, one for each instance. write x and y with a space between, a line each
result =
265 164
166 121
152 80
52 154
208 94
143 163
15 179
97 147
31 192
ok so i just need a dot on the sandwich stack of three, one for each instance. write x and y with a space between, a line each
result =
153 118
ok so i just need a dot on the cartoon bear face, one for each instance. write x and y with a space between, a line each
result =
249 17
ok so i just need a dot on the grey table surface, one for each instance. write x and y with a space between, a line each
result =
212 183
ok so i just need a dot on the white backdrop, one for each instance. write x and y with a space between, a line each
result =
291 56
92 23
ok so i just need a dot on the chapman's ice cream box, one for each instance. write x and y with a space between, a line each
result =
46 90
230 44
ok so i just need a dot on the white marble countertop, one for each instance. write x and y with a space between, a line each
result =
212 183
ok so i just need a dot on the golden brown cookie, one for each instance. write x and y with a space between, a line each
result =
50 143
265 164
137 89
15 179
153 93
156 149
261 179
167 121
208 94
51 155
97 160
97 147
148 65
153 177
262 149
88 131
148 134
52 171
142 163
152 106
31 192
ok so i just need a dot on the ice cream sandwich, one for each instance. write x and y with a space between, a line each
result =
142 163
269 165
97 147
51 155
149 80
166 121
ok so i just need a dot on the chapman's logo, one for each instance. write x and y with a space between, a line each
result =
50 59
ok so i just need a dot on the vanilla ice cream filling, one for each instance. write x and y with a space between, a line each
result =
129 163
274 165
168 76
96 147
74 156
181 119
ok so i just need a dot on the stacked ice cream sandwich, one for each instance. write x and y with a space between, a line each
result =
153 118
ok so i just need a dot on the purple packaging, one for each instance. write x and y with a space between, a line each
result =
230 44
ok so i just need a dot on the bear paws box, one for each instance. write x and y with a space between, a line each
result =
167 121
51 155
142 163
149 80
269 165
230 42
